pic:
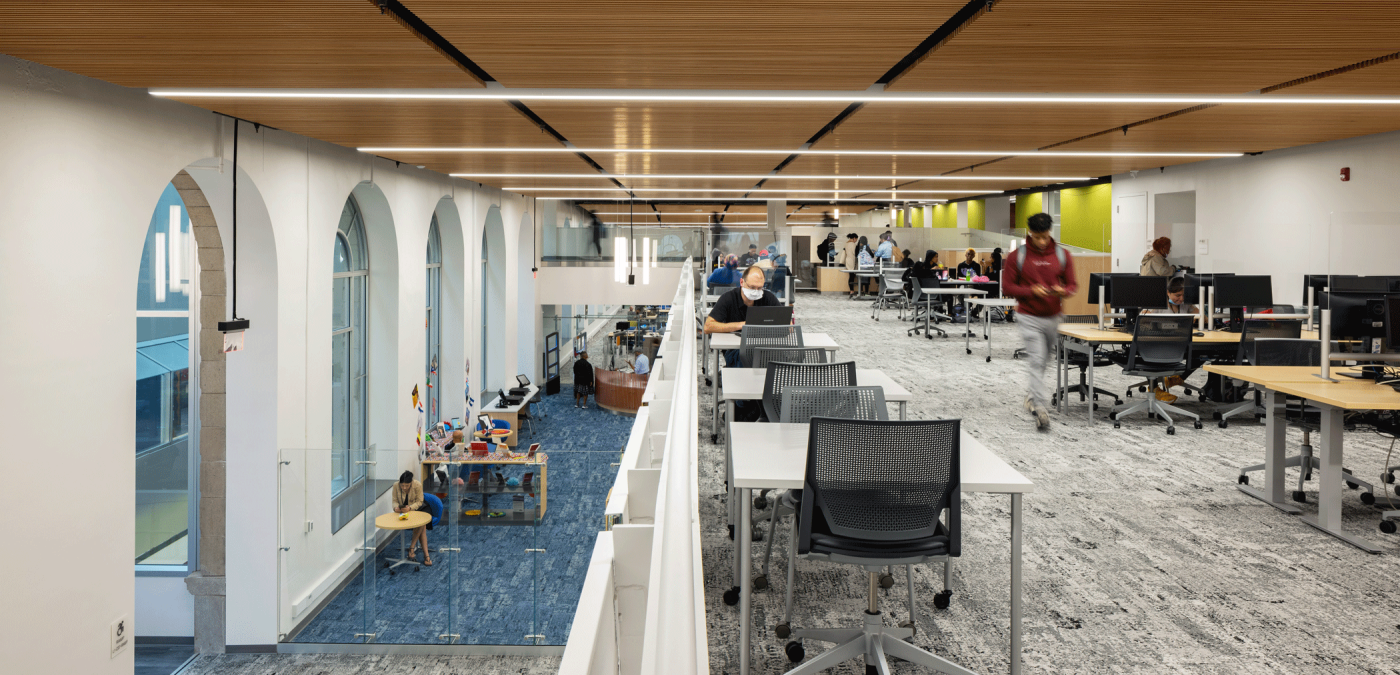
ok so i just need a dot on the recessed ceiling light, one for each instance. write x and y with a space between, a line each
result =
791 151
763 176
617 189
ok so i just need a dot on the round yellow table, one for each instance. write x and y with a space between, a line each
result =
390 521
497 434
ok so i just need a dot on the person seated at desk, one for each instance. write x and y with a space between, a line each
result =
906 260
726 275
406 497
640 364
922 269
969 264
750 257
731 310
1176 304
583 380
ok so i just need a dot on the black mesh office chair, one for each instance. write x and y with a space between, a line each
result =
1251 331
763 355
753 337
800 405
1081 361
877 494
1297 352
923 304
781 375
1160 349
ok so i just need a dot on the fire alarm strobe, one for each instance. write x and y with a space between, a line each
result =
1346 174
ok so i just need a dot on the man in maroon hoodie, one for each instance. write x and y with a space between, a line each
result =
1039 275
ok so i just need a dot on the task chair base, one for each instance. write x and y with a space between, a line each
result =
875 641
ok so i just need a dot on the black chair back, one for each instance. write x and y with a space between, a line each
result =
801 404
883 481
1287 352
762 356
1160 341
1254 329
753 337
781 375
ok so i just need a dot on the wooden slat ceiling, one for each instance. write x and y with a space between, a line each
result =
898 126
225 43
689 44
687 125
1155 46
1249 128
1089 167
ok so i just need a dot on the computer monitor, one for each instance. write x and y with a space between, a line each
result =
523 380
1350 283
1235 293
769 316
1392 324
1100 285
1132 293
1195 282
1357 319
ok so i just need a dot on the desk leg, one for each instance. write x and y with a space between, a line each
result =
745 584
987 330
1061 377
714 393
1090 393
1275 435
1329 497
729 463
1016 584
902 410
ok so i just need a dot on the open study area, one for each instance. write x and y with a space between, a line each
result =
962 336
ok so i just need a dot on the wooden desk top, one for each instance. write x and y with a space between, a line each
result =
390 521
1091 333
1267 374
1348 394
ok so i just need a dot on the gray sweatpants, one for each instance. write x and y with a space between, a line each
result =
1038 336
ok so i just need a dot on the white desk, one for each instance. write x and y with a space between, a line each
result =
510 413
722 341
775 457
961 290
1005 303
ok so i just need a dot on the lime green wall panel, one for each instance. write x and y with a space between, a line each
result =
1027 206
944 215
899 218
1086 216
919 217
977 214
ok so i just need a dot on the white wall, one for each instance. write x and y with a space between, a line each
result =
82 166
596 286
1270 213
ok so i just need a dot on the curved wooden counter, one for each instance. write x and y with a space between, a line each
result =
617 391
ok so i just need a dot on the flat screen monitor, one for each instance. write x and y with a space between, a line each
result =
1100 284
1195 282
1240 291
1138 292
769 316
1392 323
1357 316
1350 283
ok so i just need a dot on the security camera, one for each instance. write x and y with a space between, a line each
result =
1133 173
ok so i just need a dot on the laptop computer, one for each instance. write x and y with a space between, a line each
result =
524 387
769 316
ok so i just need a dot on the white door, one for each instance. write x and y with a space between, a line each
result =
1131 237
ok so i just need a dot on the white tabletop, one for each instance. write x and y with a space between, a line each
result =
964 282
731 341
746 384
993 302
953 291
770 455
490 406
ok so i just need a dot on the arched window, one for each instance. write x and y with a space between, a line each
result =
349 353
432 323
164 289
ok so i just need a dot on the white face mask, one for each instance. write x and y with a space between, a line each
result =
752 294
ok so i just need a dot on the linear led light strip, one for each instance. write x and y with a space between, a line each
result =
881 153
742 96
616 189
761 176
588 199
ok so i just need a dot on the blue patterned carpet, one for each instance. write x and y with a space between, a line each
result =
493 591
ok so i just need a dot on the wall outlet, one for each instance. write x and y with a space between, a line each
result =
310 525
121 635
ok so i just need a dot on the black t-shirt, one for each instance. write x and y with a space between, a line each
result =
730 307
965 265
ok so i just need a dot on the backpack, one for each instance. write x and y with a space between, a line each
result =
1060 255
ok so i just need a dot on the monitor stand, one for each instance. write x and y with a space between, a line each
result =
1236 320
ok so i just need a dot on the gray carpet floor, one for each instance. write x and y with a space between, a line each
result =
1140 554
343 664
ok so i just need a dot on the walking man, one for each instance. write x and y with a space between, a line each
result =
1039 275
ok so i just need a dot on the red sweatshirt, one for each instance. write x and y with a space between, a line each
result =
1040 268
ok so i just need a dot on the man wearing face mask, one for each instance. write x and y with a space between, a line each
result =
732 308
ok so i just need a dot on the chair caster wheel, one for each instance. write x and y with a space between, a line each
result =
1117 425
795 652
760 503
731 533
1368 498
969 351
1223 424
760 583
714 439
1113 416
709 382
1397 490
782 630
393 573
886 581
1351 485
1390 477
943 599
1197 424
1243 479
872 670
1215 416
756 535
1142 389
989 359
731 596
1300 496
1388 527
910 625
1171 431
1128 394
415 568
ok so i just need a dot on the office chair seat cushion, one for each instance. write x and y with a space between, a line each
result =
830 544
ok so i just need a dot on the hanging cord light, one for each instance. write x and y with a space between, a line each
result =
235 324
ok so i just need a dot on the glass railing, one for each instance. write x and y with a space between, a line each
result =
502 525
595 242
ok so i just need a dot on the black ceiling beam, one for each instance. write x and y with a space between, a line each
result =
420 28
